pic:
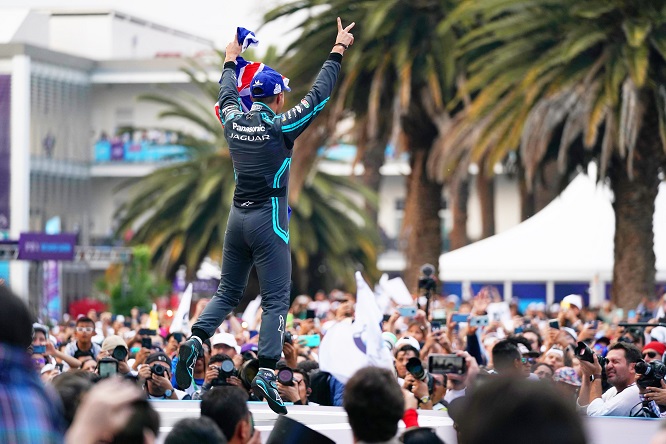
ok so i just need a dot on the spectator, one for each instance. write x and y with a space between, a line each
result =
507 360
534 339
374 404
622 398
554 357
567 383
173 341
420 435
115 347
72 387
85 330
404 351
297 392
543 370
518 411
457 384
653 351
41 340
28 412
227 407
201 430
211 377
156 373
116 412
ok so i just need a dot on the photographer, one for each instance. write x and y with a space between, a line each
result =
623 397
115 347
220 372
293 385
156 373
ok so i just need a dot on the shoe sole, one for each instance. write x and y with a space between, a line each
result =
262 393
183 377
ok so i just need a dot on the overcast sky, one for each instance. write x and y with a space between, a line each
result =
213 19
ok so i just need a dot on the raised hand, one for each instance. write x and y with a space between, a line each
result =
344 37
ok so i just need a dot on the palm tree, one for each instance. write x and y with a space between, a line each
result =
181 210
398 38
588 76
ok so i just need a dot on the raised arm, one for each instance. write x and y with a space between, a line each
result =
297 119
228 99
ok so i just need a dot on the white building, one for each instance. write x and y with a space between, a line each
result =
75 78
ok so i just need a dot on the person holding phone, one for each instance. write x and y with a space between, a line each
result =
43 345
260 143
115 347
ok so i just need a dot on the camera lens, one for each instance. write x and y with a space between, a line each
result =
285 376
227 366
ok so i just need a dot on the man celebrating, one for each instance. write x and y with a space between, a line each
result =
260 142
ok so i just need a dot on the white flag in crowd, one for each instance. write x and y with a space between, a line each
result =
346 348
181 320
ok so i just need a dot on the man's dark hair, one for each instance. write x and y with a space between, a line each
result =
219 358
407 348
421 435
505 353
308 366
518 411
266 100
71 387
15 319
195 430
374 404
536 332
631 352
306 377
227 406
84 320
143 417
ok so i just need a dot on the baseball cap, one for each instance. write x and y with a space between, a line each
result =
39 327
158 357
573 299
658 334
225 339
113 341
656 346
407 340
267 83
567 375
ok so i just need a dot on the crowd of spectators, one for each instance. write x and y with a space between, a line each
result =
459 358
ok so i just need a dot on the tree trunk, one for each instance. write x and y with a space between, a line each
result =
485 186
547 186
526 196
372 151
634 202
460 196
421 229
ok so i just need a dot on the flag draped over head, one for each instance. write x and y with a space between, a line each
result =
181 319
246 70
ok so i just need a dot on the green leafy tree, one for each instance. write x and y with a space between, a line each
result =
588 77
133 284
181 210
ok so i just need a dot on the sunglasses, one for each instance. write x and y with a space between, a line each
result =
85 329
651 354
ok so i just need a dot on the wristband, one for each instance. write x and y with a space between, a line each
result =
343 45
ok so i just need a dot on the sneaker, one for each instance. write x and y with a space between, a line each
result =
187 358
264 386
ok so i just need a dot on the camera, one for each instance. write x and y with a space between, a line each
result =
224 371
285 376
584 353
416 369
651 373
119 353
427 280
447 364
158 370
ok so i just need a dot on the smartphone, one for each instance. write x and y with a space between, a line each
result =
386 318
408 312
459 317
435 325
253 333
518 330
554 323
310 340
631 314
479 321
41 349
146 343
310 314
594 324
107 367
147 332
446 364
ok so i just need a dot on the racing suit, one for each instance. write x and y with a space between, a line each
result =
260 143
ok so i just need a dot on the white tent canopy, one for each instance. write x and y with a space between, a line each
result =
571 239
